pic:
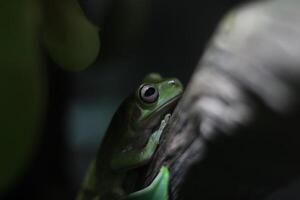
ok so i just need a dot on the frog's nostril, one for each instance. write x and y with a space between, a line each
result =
172 82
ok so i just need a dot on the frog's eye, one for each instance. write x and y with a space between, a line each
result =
148 93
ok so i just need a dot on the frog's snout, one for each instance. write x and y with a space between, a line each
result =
172 82
175 83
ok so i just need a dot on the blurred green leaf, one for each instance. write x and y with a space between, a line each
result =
71 40
21 87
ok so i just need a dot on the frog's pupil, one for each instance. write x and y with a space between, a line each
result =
149 92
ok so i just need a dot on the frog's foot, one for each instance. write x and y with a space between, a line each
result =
163 124
158 189
165 121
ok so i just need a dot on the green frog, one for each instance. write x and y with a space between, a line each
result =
130 142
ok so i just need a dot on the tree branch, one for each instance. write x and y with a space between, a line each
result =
233 132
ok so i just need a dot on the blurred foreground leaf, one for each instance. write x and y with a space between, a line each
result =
71 40
21 87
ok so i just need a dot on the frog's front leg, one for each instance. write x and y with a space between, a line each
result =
135 158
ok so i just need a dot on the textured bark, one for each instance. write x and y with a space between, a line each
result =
233 134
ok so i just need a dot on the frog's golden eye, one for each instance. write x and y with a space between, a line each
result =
148 93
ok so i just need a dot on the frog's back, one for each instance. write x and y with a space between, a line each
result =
100 178
114 134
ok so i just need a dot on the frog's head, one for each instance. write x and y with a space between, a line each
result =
145 111
153 98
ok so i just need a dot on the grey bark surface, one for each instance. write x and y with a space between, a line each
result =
234 134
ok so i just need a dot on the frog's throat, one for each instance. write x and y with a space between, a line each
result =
135 158
158 189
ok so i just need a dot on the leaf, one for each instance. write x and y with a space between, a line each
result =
21 88
70 39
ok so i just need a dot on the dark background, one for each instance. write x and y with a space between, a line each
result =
168 37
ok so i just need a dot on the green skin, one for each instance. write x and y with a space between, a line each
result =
157 190
130 142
